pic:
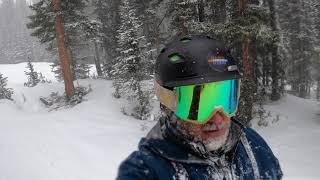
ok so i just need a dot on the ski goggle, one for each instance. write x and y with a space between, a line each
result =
198 103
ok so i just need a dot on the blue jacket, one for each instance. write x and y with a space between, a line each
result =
163 157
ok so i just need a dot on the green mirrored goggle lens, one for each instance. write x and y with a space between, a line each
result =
197 102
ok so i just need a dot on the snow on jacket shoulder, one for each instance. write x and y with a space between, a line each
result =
157 158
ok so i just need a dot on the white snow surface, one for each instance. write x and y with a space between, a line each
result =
295 138
90 140
85 142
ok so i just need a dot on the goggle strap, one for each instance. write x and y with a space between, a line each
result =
167 97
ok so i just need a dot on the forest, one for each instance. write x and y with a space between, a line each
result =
276 42
78 89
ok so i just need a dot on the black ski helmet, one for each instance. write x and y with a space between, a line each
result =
194 60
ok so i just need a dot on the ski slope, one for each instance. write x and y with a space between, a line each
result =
89 140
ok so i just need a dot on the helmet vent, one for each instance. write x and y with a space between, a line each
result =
185 39
175 57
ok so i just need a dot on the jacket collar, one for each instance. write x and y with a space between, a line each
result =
167 141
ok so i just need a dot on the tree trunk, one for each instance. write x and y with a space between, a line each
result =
309 88
63 53
182 28
275 95
242 5
220 9
256 70
201 10
73 64
97 60
246 101
264 71
247 65
248 82
318 89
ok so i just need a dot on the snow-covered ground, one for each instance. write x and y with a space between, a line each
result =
85 142
89 140
295 138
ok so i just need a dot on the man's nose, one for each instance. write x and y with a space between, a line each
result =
217 118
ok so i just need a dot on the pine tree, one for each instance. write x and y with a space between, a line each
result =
56 69
97 60
32 76
76 26
62 49
80 32
81 71
5 93
108 18
131 67
316 71
49 24
246 30
93 34
184 17
314 14
276 58
218 12
296 26
42 22
147 13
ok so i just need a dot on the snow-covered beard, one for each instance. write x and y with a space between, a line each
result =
193 132
214 144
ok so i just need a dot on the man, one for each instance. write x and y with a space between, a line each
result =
197 137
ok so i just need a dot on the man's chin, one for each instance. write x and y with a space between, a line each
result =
216 142
217 133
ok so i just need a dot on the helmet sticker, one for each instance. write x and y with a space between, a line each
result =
218 63
218 60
